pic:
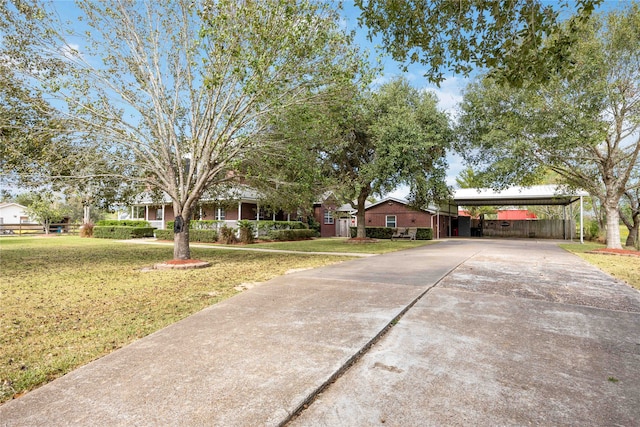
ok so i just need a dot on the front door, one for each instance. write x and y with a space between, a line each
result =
342 229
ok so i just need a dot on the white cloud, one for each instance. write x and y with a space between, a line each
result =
456 165
449 94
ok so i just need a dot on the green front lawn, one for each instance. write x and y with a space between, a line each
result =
625 268
68 300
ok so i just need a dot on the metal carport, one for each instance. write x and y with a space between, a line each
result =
544 195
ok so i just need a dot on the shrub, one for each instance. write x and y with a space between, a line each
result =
375 232
201 224
123 223
264 227
246 231
118 232
165 234
205 236
227 235
208 236
592 230
387 232
314 225
86 230
286 235
424 234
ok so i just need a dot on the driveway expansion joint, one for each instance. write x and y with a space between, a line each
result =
365 349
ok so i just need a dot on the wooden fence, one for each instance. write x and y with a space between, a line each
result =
537 229
33 229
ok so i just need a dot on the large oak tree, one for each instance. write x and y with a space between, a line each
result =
176 91
586 129
365 143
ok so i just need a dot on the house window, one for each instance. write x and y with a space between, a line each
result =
138 212
220 214
159 214
328 217
391 221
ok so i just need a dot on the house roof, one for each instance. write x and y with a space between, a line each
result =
516 196
240 193
431 209
7 204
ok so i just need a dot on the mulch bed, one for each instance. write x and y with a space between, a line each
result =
181 264
622 252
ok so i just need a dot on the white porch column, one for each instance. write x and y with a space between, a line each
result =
239 211
164 225
146 213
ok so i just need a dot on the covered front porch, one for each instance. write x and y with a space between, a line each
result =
240 204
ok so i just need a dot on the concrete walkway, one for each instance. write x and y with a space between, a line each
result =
519 333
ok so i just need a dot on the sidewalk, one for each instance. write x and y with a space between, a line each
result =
464 352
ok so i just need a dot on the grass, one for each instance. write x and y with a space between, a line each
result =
67 300
622 267
340 245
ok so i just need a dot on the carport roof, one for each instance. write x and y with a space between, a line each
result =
517 196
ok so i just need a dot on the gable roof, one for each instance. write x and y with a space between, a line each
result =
7 204
432 209
385 200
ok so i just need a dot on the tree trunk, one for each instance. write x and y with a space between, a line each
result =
632 221
362 230
181 249
632 238
613 226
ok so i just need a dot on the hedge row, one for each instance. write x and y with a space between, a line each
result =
201 224
424 234
387 232
208 236
287 235
375 232
119 232
281 225
123 223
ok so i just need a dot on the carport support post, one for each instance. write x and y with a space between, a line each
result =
581 220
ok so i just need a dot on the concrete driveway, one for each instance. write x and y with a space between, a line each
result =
465 332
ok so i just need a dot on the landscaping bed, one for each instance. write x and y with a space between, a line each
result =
609 251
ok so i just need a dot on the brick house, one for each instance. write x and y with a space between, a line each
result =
242 204
397 213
